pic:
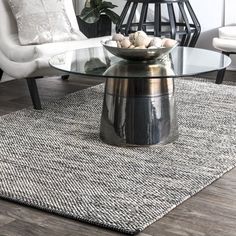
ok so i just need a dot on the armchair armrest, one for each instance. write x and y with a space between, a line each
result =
11 48
16 69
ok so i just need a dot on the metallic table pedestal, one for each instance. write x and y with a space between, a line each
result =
139 102
139 112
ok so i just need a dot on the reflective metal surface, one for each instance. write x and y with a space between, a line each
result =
139 104
127 69
139 112
139 87
138 54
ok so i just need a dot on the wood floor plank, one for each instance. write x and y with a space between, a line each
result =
50 221
211 212
20 228
4 220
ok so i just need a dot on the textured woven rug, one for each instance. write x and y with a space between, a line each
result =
53 159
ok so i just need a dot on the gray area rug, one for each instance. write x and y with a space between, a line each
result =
53 159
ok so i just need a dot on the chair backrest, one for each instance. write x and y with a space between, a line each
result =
71 14
8 24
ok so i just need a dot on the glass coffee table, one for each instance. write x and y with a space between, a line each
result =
139 102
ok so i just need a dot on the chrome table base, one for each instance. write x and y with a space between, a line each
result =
139 112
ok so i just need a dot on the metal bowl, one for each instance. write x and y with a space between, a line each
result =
138 54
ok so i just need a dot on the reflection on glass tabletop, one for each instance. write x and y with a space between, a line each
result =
98 62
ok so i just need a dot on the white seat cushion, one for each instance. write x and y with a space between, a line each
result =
227 32
226 45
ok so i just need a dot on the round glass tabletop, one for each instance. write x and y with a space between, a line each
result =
98 62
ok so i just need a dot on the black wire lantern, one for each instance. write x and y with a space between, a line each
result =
162 18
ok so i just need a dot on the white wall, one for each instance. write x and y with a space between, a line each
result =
230 16
213 14
230 19
210 14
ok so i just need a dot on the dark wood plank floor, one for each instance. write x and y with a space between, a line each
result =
212 212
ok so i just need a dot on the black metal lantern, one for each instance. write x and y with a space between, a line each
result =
162 18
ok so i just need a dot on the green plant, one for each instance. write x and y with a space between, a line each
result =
94 8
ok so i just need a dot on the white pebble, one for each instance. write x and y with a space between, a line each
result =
156 41
125 43
141 39
118 37
118 44
111 43
152 47
168 43
132 38
140 47
140 33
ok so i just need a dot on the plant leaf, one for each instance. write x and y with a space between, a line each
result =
95 3
112 15
87 3
105 5
94 8
90 15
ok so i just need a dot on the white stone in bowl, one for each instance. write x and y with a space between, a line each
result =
118 37
156 41
111 43
169 43
125 43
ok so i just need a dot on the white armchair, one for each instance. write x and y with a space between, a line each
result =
31 61
226 43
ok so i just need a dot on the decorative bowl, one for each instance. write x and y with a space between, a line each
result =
138 54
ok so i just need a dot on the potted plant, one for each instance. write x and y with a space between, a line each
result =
96 17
